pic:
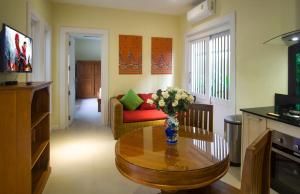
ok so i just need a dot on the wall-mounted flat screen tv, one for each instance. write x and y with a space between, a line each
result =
16 51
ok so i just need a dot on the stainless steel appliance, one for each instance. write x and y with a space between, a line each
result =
287 109
232 131
285 163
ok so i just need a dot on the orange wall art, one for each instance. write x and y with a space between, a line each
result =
130 54
161 57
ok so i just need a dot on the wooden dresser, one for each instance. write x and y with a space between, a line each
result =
24 138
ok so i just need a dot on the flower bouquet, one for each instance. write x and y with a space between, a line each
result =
172 101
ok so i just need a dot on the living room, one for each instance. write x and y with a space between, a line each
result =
258 70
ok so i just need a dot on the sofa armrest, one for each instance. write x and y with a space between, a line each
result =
116 116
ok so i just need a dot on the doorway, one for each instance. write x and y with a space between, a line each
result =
84 79
68 79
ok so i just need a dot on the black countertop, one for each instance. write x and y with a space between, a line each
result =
263 112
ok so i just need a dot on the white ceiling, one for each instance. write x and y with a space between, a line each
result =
174 7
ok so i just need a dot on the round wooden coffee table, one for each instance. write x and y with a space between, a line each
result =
198 159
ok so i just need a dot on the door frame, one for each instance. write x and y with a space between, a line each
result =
62 71
71 74
42 55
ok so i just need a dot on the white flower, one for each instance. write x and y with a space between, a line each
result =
181 91
154 97
165 94
175 103
149 101
161 103
184 96
177 89
191 99
169 89
177 96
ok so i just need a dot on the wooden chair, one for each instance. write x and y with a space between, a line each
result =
198 115
256 171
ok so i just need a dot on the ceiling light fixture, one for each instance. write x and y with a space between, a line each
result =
295 39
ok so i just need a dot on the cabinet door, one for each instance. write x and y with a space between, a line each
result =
252 126
85 87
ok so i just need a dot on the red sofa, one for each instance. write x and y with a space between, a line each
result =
123 121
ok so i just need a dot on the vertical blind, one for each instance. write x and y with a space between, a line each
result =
219 63
213 53
198 65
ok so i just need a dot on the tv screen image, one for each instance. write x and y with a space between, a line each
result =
17 51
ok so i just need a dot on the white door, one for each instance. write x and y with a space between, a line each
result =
212 78
71 79
222 76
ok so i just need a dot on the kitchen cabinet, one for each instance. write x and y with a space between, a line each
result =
252 127
256 120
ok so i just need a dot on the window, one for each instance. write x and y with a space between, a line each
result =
219 61
210 59
209 66
198 65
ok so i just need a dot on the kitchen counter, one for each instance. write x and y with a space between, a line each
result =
263 112
256 121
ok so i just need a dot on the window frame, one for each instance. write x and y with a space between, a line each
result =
206 30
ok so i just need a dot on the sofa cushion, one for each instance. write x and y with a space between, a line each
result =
145 105
142 115
131 100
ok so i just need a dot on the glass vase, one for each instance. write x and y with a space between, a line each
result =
172 129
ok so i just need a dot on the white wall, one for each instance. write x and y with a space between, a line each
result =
87 49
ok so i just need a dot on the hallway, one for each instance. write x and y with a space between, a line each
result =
86 114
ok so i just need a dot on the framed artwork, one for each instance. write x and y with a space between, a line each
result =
161 56
130 54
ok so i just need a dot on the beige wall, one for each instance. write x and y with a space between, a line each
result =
14 13
119 22
87 49
261 70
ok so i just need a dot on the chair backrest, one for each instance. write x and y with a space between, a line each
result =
256 170
198 115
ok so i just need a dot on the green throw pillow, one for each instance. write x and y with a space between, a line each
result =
131 100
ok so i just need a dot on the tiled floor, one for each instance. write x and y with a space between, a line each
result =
82 159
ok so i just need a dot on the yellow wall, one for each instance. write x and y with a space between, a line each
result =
14 13
261 70
119 22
